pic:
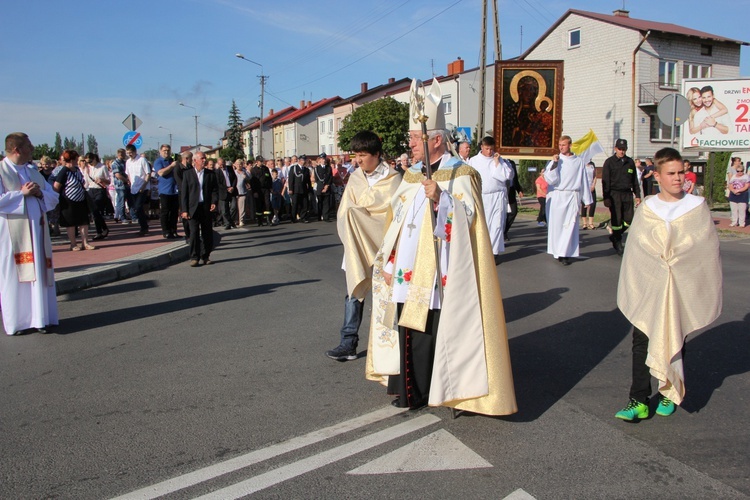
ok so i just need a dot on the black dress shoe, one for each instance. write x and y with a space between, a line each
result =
397 403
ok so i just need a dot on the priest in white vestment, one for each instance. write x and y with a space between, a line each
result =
27 280
438 333
568 187
495 172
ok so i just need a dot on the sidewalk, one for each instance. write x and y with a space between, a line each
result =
122 255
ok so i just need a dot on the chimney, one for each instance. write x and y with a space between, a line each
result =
363 87
309 103
621 13
302 104
456 67
270 112
391 80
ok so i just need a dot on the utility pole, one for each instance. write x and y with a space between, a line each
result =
482 73
498 44
263 78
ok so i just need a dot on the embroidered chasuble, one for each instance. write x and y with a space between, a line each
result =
471 368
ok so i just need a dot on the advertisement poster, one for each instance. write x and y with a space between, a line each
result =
719 115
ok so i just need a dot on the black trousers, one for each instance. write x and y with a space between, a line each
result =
621 210
140 201
299 206
168 212
201 233
417 351
640 388
324 206
510 217
228 210
97 205
542 217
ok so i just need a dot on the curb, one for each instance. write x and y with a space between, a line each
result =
126 267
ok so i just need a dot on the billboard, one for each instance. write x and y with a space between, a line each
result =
719 115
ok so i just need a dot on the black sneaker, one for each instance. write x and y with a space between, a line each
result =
341 353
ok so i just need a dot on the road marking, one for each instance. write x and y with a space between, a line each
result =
440 450
231 465
323 459
519 494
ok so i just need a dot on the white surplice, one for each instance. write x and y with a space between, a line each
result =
568 187
494 196
29 304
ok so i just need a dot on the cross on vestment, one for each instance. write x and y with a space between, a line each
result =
411 226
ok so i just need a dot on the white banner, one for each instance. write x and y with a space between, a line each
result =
719 115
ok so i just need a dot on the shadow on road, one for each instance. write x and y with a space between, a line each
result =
549 362
116 289
526 304
119 316
713 356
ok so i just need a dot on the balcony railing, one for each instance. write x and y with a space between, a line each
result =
651 94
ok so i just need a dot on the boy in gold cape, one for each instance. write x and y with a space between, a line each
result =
673 248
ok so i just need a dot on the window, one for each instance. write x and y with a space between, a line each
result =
448 104
323 127
690 70
667 73
330 125
706 49
660 132
574 38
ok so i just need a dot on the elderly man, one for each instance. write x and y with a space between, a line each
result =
199 196
495 172
438 329
27 279
568 185
361 222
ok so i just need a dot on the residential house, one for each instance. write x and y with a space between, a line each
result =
251 134
300 128
618 68
345 107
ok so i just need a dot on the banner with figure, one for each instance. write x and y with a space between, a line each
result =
719 115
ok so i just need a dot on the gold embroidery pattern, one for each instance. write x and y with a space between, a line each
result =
24 258
441 175
49 263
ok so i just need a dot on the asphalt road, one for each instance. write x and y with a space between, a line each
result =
212 381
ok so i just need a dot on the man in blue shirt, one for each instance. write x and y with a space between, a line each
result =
168 198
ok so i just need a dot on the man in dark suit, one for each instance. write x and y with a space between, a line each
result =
323 187
199 196
299 185
227 181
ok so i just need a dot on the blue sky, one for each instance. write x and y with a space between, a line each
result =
81 66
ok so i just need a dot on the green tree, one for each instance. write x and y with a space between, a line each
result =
151 155
386 117
58 144
44 150
234 148
91 144
527 177
715 177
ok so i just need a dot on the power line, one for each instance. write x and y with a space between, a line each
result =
373 51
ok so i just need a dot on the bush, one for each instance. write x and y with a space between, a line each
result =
527 178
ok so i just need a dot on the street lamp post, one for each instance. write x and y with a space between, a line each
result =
262 96
196 122
170 135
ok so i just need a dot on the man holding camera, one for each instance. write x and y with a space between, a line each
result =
169 201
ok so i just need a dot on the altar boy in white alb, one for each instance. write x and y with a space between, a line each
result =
495 172
568 187
27 280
